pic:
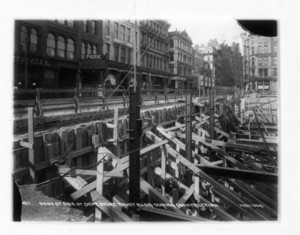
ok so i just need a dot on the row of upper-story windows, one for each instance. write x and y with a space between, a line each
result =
153 43
28 40
89 27
121 53
181 58
119 31
69 23
57 45
88 49
264 49
263 61
160 30
174 42
60 46
153 61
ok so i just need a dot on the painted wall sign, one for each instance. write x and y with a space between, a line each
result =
35 61
92 57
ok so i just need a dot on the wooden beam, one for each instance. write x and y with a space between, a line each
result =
232 198
31 158
105 206
263 177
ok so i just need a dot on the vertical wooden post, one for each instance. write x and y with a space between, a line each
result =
212 115
116 130
78 132
99 181
31 141
163 169
134 133
188 140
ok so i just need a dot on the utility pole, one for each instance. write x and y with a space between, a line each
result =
25 63
135 126
212 109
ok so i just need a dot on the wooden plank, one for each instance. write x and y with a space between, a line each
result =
77 182
31 158
99 181
78 132
163 168
187 194
232 198
103 205
178 143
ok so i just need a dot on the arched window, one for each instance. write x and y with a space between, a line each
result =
89 50
23 38
83 51
33 41
253 62
70 49
50 45
61 46
94 50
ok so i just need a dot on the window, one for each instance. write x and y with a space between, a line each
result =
94 51
83 51
265 48
107 27
84 26
61 47
70 23
275 60
129 56
70 49
123 55
93 27
122 33
107 50
24 38
275 48
265 60
116 53
128 34
33 41
89 49
259 61
50 45
172 56
259 49
260 72
265 72
275 71
116 29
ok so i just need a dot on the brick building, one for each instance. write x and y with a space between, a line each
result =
260 62
48 52
181 59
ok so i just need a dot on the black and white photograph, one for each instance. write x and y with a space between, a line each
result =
145 117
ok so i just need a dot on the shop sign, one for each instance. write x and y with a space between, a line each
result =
34 61
92 57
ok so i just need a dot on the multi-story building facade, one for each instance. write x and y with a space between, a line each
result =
260 62
202 74
118 47
181 59
213 56
154 53
232 71
48 53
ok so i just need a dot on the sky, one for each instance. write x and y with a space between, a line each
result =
202 29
